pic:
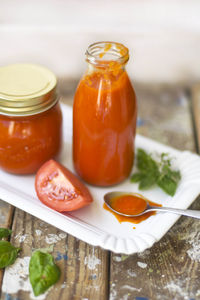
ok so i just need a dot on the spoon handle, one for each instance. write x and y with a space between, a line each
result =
183 212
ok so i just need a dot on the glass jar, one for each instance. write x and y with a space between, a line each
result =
104 117
30 118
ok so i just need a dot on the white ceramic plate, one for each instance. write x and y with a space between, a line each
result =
95 225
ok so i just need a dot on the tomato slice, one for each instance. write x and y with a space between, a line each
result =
60 189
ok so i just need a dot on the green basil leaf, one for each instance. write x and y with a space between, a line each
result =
156 172
145 163
136 177
169 182
147 182
8 254
5 232
43 272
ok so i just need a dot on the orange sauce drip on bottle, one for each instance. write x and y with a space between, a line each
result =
130 204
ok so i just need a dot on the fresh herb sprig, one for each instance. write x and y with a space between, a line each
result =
152 172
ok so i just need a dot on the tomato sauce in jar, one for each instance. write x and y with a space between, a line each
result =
104 117
30 118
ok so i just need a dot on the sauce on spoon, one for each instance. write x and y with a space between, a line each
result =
130 204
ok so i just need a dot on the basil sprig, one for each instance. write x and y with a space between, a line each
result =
158 172
43 272
8 254
5 232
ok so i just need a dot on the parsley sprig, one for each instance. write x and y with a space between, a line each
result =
152 172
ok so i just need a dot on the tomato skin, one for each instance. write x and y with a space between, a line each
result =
60 189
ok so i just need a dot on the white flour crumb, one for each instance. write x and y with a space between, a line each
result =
38 232
130 288
141 264
117 258
52 238
131 273
62 235
92 261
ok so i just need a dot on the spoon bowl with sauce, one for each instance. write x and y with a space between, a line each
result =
133 205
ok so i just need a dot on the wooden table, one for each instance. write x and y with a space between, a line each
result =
169 270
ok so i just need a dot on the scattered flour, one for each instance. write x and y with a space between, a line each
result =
130 288
178 289
117 258
120 258
91 261
54 238
38 232
141 264
16 279
113 292
131 273
194 251
63 235
21 238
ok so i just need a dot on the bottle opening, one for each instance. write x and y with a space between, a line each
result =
101 53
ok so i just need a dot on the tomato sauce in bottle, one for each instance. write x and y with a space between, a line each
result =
104 117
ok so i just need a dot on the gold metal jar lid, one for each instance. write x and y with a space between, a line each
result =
26 89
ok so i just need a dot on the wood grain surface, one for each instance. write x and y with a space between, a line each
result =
169 270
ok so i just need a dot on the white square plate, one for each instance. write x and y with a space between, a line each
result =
95 225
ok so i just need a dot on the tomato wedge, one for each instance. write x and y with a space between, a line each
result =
60 189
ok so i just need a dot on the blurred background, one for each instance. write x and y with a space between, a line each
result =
163 36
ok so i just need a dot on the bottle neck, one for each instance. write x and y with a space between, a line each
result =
107 56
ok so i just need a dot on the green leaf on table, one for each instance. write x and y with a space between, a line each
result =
5 232
43 272
8 254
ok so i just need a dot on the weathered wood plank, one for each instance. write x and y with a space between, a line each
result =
6 214
171 268
196 112
84 268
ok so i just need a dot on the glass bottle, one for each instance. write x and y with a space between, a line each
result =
104 117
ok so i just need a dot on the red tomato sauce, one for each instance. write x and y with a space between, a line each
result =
27 142
104 124
130 204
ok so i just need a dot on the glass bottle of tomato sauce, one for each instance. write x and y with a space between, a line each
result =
104 117
30 118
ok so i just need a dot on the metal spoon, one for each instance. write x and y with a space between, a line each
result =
184 212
